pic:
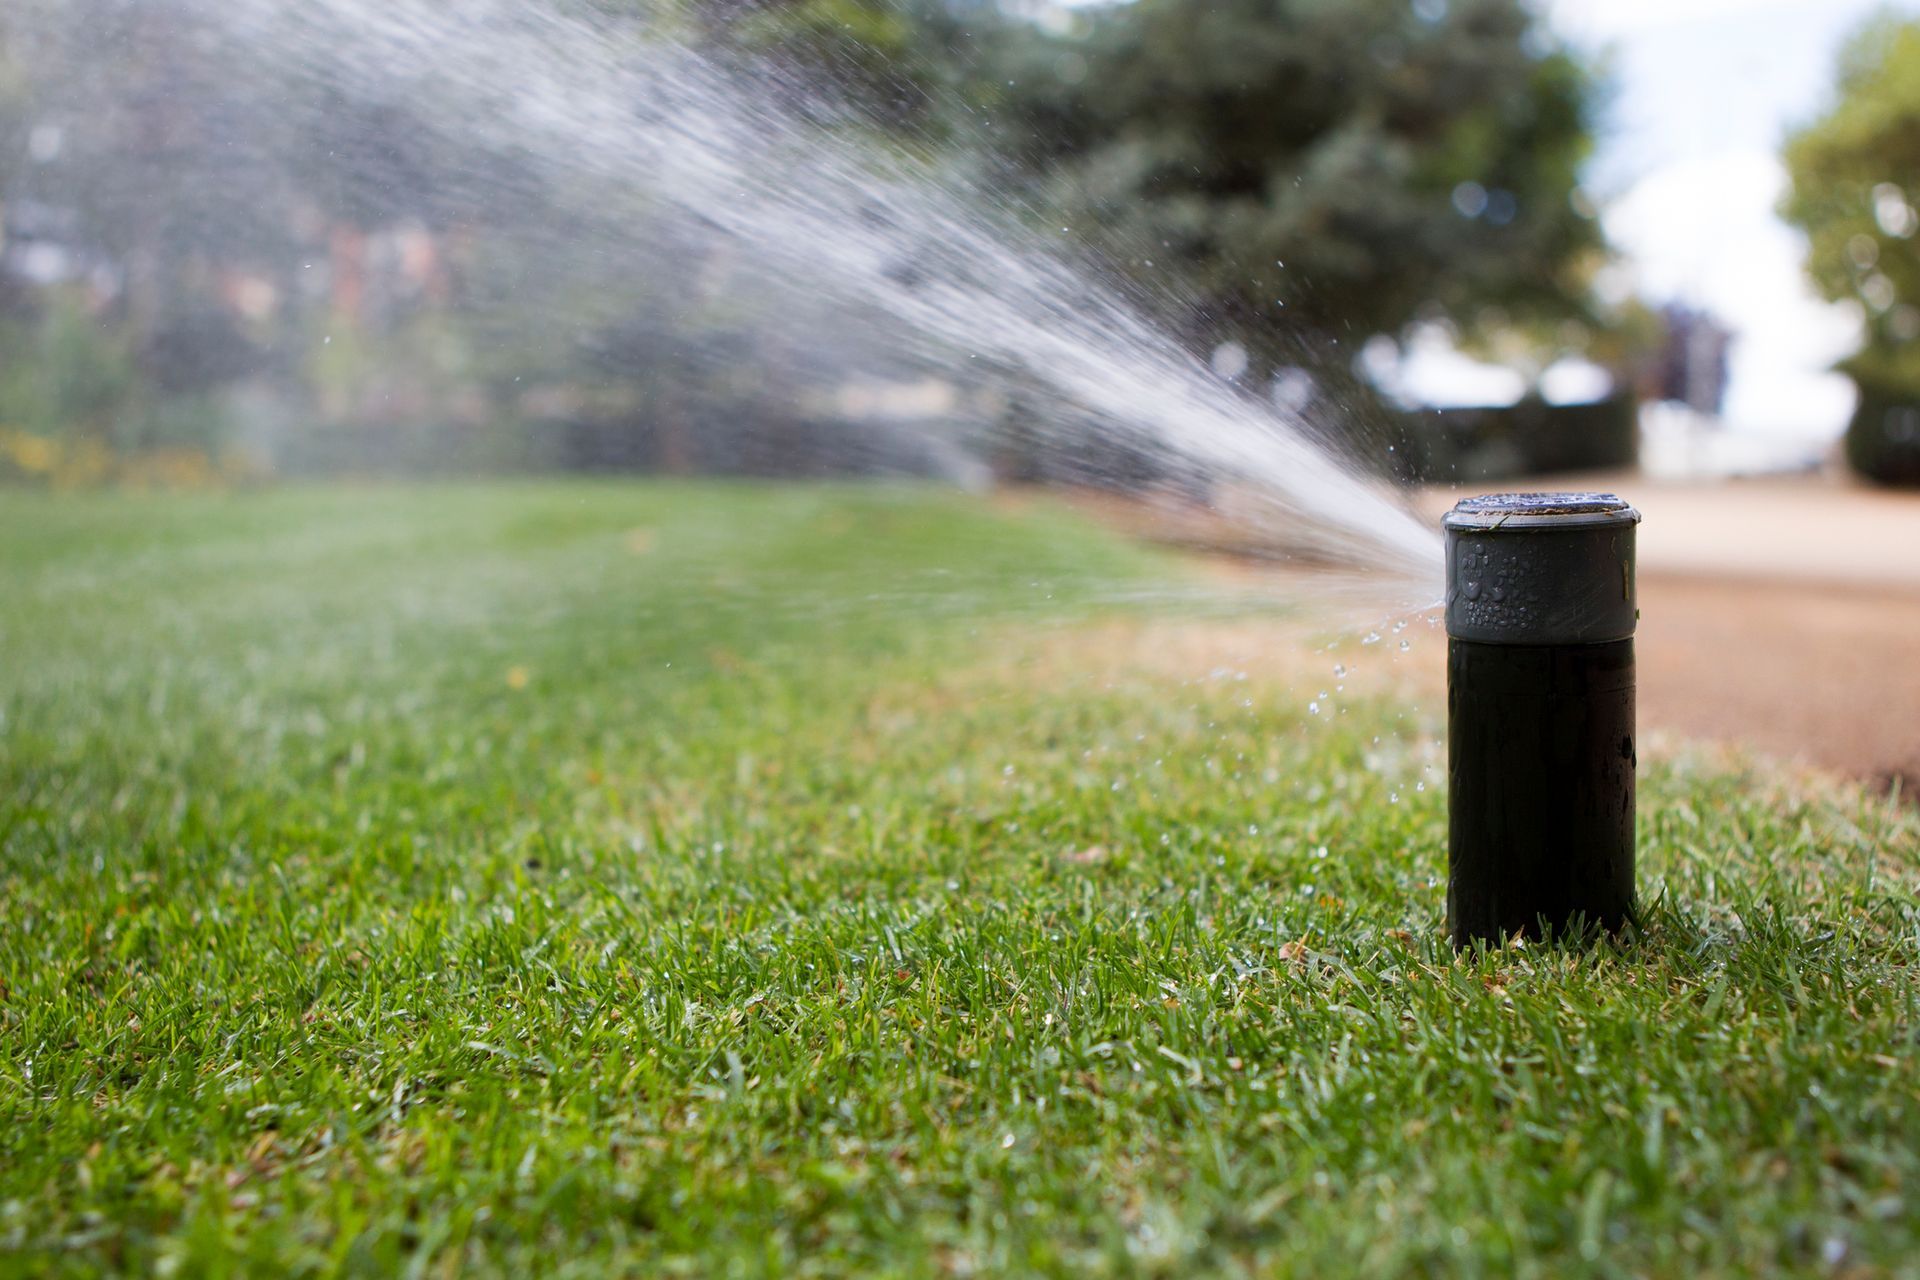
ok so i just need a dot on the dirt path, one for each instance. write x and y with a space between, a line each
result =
1822 675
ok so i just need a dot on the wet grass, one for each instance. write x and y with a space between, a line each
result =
721 881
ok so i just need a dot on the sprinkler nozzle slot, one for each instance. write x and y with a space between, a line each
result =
1541 606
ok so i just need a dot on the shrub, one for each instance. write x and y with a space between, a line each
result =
1883 440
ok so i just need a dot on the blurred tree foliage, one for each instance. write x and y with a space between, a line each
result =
13 143
118 213
1855 185
1293 175
65 374
169 214
1333 167
911 67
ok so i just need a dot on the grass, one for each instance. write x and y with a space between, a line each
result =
708 881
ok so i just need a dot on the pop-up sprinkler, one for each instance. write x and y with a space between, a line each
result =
1541 608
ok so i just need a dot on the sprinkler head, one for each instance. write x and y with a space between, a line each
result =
1541 607
1541 568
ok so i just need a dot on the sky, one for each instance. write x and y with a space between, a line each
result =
1688 173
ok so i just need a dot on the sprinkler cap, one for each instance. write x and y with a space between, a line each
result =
1541 569
1493 511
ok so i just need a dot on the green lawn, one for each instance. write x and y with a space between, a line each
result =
587 878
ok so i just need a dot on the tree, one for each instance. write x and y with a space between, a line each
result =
1855 182
1336 167
139 142
13 140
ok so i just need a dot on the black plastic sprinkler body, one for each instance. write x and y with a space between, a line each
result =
1541 606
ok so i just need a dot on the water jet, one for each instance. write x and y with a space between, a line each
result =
1540 615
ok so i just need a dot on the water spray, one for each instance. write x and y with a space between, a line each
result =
913 262
1541 606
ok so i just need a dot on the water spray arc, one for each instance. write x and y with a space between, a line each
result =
615 115
1540 614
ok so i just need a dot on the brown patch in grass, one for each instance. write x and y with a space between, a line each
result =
1267 654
